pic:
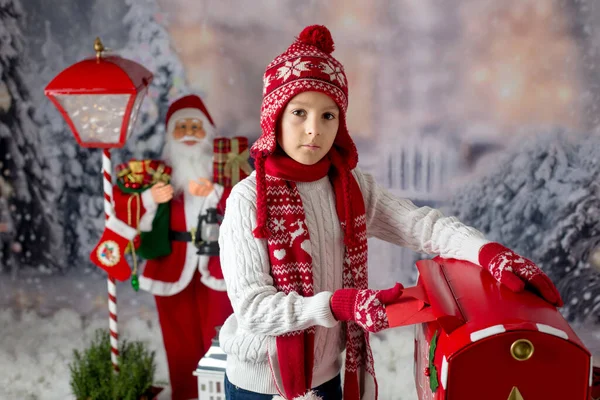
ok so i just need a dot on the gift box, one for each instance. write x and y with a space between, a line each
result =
138 175
230 160
133 177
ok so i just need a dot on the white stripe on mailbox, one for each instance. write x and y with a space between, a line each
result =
490 331
591 370
444 372
552 331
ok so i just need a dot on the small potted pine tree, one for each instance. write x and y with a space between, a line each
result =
93 378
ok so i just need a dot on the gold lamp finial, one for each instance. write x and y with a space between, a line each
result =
98 48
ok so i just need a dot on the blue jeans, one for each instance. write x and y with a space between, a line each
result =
331 390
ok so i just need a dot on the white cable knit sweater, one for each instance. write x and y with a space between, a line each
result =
261 313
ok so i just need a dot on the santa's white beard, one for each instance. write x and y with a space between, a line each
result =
188 162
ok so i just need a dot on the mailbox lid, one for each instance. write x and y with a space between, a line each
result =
557 369
490 308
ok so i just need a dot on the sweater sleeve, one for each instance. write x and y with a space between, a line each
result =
421 229
258 306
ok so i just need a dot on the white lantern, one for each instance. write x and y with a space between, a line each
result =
211 373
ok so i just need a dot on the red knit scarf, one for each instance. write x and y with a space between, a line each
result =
291 263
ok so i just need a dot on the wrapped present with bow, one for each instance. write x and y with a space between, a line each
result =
230 160
133 178
139 175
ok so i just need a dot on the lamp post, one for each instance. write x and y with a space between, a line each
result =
99 98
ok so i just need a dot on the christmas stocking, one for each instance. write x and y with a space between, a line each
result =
109 254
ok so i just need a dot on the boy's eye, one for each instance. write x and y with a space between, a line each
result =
299 113
328 116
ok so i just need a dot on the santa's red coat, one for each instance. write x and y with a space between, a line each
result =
166 276
167 273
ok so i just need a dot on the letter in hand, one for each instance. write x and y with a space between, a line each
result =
201 187
161 192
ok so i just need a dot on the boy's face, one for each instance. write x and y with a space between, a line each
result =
308 126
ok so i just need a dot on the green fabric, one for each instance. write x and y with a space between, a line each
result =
155 243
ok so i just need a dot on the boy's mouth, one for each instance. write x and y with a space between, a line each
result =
311 146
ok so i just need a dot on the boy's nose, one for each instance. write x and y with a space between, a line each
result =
312 128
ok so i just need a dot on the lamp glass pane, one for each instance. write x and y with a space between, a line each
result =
97 117
135 109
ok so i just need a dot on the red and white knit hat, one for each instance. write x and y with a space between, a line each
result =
307 65
190 106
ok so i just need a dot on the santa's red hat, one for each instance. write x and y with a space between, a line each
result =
190 106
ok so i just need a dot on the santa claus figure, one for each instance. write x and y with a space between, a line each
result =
188 287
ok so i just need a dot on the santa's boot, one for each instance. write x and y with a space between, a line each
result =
109 254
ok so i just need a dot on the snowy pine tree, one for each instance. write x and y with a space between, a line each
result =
22 160
149 45
543 201
75 170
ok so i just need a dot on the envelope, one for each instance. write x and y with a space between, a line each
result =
411 308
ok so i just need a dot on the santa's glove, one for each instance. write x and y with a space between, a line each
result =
109 254
514 271
366 307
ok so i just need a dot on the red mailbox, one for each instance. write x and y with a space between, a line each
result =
477 340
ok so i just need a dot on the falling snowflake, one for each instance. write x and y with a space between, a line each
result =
335 73
292 68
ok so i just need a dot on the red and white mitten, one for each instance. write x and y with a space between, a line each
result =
109 254
514 271
366 307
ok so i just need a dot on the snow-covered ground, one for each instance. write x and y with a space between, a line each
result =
43 319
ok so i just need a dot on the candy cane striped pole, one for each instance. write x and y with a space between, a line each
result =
112 285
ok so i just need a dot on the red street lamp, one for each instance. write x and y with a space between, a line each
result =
100 98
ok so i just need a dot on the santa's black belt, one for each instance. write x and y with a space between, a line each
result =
179 236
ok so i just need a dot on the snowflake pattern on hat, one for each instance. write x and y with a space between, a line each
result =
292 68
